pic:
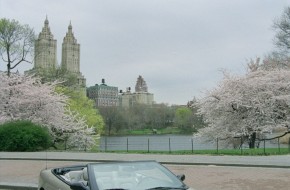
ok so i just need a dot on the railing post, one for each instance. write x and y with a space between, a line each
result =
241 145
148 145
127 145
65 143
217 145
289 145
279 145
169 146
264 146
191 145
86 145
105 144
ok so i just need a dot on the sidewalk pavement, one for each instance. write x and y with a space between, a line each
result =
276 161
13 158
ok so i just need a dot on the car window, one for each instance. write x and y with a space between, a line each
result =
133 175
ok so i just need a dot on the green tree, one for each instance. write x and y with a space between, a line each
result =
147 117
183 119
16 43
137 117
197 119
114 119
52 74
160 116
79 103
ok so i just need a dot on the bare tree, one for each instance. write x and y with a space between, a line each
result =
16 43
282 27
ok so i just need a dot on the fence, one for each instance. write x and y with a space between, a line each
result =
264 146
188 144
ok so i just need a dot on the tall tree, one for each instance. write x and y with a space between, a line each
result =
161 116
247 106
282 27
184 119
24 97
113 118
83 107
16 43
197 119
52 74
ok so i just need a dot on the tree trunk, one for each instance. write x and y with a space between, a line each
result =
252 140
110 126
8 69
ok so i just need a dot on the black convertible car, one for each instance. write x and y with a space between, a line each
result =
135 175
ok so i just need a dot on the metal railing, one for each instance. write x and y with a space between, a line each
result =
189 144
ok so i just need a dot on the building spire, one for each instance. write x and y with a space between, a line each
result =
70 27
141 85
45 48
46 21
69 35
45 33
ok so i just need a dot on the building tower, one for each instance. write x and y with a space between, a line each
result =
140 96
70 52
46 57
45 49
71 56
141 85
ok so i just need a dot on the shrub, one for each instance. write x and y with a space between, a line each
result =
23 136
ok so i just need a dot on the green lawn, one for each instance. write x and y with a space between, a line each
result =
168 130
233 152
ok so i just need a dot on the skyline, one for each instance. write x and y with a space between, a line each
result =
178 47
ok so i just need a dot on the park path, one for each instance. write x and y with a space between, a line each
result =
202 172
256 161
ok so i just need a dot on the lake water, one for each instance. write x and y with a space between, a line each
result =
163 143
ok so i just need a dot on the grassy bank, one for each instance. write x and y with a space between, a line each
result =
168 130
233 152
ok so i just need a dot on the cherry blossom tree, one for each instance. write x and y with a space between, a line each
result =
24 97
247 106
84 107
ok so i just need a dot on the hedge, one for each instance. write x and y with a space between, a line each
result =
23 136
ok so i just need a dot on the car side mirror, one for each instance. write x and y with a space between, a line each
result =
181 177
78 186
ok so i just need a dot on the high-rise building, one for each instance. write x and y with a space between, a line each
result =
140 96
46 53
70 52
103 95
45 49
71 56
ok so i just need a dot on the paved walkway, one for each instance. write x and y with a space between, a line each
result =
22 168
255 161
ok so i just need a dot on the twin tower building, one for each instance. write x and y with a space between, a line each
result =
103 95
46 53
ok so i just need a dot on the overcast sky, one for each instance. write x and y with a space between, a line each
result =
178 46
